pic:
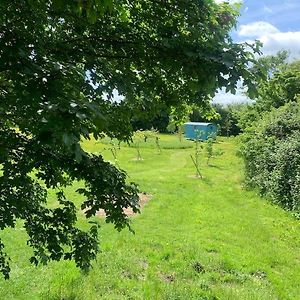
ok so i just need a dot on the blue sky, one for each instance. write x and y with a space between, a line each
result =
282 14
275 23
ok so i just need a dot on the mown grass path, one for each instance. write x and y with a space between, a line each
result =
195 239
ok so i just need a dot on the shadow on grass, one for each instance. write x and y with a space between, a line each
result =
216 167
207 181
60 297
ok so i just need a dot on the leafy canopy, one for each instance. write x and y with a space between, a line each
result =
60 64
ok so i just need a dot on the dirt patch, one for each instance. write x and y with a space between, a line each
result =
195 177
143 199
137 159
259 274
167 277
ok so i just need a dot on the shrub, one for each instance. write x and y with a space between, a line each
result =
271 151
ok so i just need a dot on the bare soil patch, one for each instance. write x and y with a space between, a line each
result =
143 199
195 177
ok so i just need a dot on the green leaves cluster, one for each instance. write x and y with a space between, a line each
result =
270 142
61 62
209 149
271 151
281 87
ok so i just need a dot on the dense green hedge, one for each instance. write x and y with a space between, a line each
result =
271 151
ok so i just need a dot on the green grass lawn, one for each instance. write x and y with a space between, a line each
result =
195 239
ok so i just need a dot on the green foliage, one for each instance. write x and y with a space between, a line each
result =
209 149
145 121
177 118
60 65
247 116
271 128
229 118
139 137
270 143
271 151
166 141
271 64
281 87
153 134
225 116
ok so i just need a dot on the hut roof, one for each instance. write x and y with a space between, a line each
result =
198 123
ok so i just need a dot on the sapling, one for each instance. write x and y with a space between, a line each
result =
180 132
113 149
148 134
196 157
157 143
154 134
138 137
209 148
227 125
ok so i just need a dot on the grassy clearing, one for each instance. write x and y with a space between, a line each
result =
195 239
166 141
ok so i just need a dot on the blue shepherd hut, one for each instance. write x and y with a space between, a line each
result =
202 131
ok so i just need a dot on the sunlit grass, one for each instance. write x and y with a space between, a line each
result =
195 239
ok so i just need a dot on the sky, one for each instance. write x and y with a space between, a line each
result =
276 23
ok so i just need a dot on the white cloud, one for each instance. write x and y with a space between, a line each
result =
273 40
267 9
282 40
224 98
257 29
229 98
229 1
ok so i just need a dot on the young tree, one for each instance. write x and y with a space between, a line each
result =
196 157
139 137
61 63
277 90
209 149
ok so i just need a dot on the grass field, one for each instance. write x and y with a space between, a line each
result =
195 239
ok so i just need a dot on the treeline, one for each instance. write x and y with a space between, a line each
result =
225 116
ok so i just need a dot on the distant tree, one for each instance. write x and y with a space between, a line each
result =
61 62
280 88
145 121
178 116
271 64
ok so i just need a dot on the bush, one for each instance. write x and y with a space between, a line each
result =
271 151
